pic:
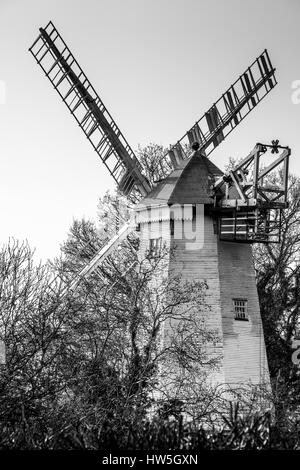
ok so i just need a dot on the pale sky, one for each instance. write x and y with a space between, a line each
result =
158 65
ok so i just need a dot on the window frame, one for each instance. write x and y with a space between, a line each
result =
240 315
154 251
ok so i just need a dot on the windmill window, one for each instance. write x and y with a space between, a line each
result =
215 226
172 226
155 247
240 309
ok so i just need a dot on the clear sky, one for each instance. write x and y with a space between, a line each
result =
157 65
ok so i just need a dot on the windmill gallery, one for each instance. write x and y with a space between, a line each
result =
213 218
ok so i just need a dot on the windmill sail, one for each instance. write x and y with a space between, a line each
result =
67 77
102 254
233 106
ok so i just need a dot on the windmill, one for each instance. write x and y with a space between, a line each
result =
227 212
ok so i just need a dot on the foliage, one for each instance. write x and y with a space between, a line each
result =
278 274
89 356
249 432
151 158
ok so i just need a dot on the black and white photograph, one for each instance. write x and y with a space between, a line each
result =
150 229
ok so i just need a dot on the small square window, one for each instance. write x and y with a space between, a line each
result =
155 247
240 309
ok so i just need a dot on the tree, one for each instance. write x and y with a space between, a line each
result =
278 274
94 354
151 159
121 302
31 326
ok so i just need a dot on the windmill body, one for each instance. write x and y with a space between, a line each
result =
177 213
208 219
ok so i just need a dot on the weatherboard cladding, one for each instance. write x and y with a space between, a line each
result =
228 271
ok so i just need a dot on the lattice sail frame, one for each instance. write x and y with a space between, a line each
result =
69 80
76 91
226 113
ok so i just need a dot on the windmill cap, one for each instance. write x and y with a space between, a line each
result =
187 184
